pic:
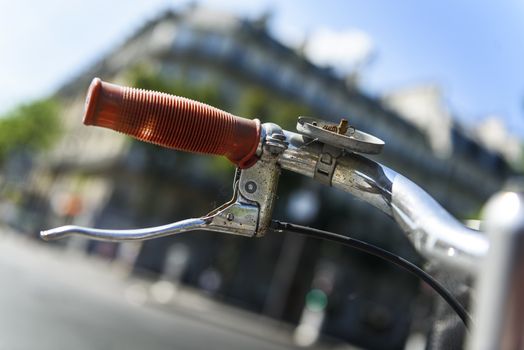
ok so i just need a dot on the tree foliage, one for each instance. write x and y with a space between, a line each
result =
30 127
253 102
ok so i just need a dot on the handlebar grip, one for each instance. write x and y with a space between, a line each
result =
172 121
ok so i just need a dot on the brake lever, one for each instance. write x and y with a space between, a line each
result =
248 213
126 235
238 216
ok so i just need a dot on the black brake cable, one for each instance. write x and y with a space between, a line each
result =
383 254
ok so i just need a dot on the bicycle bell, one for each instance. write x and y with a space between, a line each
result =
340 135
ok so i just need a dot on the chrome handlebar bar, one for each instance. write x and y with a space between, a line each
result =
431 229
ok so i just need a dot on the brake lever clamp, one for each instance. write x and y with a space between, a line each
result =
248 213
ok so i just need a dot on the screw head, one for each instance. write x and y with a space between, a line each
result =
251 187
230 216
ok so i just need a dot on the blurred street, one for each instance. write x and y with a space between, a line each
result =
55 299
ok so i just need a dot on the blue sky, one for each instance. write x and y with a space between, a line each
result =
473 49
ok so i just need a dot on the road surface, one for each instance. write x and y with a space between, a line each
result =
54 299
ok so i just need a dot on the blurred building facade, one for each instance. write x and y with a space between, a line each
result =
98 178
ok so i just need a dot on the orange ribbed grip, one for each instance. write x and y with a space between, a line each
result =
172 121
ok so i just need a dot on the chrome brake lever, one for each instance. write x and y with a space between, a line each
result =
237 216
248 213
125 235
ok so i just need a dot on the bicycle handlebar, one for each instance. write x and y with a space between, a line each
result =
326 153
172 121
183 124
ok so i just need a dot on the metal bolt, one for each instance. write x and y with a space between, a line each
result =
230 216
251 187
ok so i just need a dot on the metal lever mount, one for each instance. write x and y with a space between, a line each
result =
248 213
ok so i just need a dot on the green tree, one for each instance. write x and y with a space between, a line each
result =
259 103
32 127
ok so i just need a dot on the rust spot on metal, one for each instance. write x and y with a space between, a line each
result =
341 128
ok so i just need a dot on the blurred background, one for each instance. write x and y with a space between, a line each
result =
441 83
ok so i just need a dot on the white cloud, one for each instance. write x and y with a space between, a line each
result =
343 50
